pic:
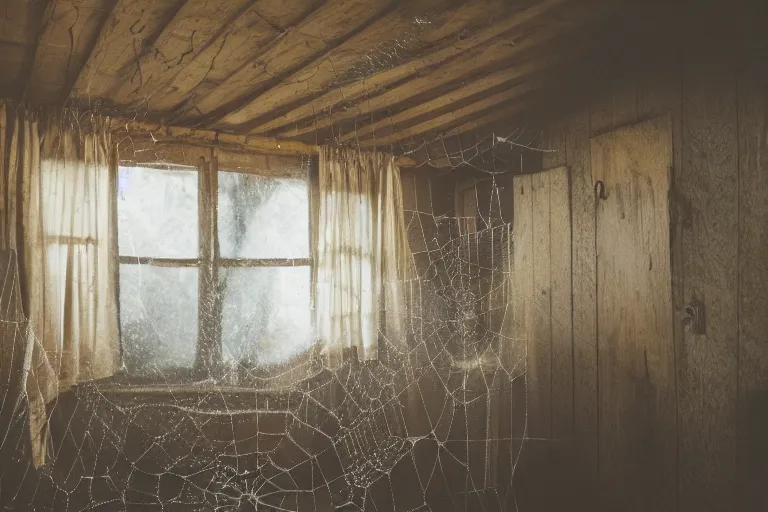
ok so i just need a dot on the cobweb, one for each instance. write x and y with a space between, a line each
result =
437 426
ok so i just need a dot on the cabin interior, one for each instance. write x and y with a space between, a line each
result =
384 255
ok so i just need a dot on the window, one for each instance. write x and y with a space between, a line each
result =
214 269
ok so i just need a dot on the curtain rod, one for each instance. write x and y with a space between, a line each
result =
194 136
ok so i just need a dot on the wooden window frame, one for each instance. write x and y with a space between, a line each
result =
208 360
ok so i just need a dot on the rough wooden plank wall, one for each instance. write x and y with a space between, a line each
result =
540 315
708 189
561 402
718 255
753 292
542 318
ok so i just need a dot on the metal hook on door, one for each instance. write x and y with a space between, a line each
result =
600 191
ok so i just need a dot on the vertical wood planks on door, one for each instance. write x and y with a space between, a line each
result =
522 276
542 313
585 441
638 436
540 344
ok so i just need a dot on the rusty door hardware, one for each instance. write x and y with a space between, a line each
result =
694 317
600 190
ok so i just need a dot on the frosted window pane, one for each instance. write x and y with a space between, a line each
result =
266 315
157 213
263 216
158 317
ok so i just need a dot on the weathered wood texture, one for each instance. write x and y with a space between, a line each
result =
129 26
636 371
753 292
449 54
169 135
70 30
343 63
298 69
456 71
19 30
542 317
717 109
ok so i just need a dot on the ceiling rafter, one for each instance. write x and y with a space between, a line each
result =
454 116
130 26
33 50
243 40
482 84
356 90
68 34
194 26
330 67
491 116
450 75
332 23
401 73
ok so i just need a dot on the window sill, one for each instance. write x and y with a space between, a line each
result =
179 385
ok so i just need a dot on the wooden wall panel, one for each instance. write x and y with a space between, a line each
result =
560 305
540 344
718 255
521 321
753 293
707 190
637 403
542 317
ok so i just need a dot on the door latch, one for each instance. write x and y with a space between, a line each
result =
694 317
600 191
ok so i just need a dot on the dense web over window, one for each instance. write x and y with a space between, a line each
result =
430 427
437 423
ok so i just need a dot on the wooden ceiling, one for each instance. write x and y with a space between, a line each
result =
383 73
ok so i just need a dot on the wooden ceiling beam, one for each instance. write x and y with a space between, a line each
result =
332 66
238 44
191 30
32 47
332 23
361 88
195 137
481 85
450 74
452 117
130 25
491 116
69 31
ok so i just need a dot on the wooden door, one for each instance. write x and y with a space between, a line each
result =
636 365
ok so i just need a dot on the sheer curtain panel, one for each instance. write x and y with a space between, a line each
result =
69 265
361 254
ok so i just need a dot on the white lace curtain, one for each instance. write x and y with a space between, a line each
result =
63 165
361 254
